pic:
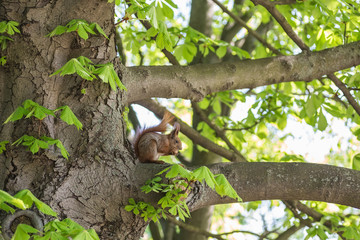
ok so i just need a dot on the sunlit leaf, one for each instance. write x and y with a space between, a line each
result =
69 117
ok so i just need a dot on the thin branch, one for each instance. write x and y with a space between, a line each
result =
251 31
291 33
172 59
310 212
188 131
148 25
284 2
217 130
193 229
290 231
345 91
283 23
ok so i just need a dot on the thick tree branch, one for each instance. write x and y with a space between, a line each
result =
193 134
196 81
267 181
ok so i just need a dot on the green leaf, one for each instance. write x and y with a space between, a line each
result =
5 197
69 117
177 170
2 146
160 42
282 122
162 171
74 66
6 208
51 236
82 33
3 26
32 143
223 188
129 208
22 232
322 123
36 110
3 59
29 199
310 107
221 51
187 51
57 31
153 17
17 114
204 173
107 74
85 235
99 29
356 162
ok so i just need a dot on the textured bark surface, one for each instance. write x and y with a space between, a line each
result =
93 186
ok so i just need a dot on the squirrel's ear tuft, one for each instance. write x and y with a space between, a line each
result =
176 130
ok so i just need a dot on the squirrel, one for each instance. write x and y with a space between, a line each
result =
150 145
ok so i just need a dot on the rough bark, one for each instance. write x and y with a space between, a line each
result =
82 188
196 81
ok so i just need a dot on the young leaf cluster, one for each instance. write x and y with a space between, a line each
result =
10 28
82 27
176 191
29 109
88 71
156 12
44 142
55 229
2 146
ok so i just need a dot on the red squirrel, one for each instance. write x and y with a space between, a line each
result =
150 145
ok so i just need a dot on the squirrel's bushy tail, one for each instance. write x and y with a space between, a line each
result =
168 117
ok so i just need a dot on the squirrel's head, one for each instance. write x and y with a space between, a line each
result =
175 143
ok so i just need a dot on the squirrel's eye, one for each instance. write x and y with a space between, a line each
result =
176 141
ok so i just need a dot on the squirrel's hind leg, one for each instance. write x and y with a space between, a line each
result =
149 154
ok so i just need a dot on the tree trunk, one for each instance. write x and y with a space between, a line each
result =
92 187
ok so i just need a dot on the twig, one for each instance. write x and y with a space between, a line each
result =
217 130
168 54
283 23
284 2
188 131
290 231
345 91
193 229
310 212
251 31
